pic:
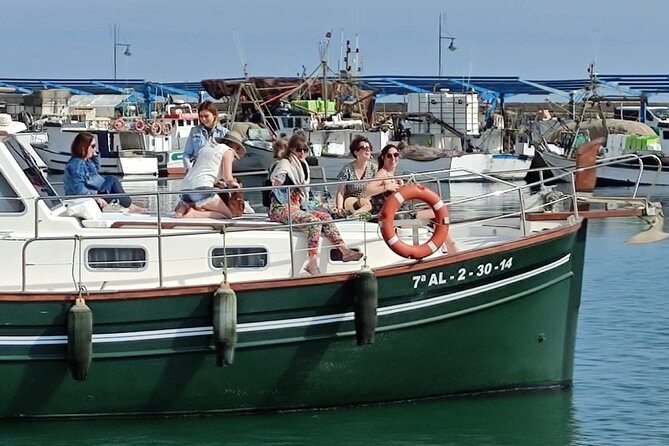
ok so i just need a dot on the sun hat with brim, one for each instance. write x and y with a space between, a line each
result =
352 204
234 140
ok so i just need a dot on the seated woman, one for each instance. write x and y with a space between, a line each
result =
385 185
82 176
292 169
213 168
362 168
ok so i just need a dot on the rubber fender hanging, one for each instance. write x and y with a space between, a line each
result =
365 303
225 324
79 339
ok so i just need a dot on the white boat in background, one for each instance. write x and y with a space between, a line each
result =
638 157
118 155
177 122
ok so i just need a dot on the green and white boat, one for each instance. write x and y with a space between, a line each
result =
124 314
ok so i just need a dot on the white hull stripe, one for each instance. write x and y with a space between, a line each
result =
250 327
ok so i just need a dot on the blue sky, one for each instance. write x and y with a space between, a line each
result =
193 40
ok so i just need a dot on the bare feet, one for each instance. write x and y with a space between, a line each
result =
136 208
350 255
312 267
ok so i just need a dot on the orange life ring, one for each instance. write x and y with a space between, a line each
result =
139 125
119 124
155 128
387 221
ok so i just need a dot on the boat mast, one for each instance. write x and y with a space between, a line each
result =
324 64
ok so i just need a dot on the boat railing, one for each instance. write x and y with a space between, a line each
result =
438 179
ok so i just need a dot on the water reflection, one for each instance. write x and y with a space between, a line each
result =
529 418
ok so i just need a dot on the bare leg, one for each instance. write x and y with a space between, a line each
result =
181 209
136 208
213 209
199 213
312 265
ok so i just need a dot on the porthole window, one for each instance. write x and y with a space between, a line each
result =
239 257
116 258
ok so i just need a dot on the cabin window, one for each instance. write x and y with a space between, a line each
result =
337 256
181 122
665 134
116 258
240 257
174 122
9 200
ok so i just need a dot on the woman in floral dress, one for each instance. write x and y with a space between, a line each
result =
292 169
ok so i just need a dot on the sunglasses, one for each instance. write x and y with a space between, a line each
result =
392 155
365 148
302 150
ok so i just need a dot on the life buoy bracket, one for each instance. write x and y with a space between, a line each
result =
387 221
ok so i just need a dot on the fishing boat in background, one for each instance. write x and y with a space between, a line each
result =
138 314
121 152
633 155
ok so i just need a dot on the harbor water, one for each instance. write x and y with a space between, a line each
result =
620 394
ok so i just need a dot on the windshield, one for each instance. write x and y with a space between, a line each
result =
660 113
34 174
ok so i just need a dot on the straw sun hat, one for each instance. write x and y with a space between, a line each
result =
353 204
234 140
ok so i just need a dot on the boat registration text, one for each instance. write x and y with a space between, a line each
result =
462 274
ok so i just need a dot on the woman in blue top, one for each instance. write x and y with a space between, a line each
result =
82 177
207 113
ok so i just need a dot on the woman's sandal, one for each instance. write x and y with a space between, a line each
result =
352 256
313 273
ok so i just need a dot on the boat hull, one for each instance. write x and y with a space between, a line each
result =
502 319
619 174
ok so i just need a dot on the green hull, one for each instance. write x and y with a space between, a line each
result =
505 319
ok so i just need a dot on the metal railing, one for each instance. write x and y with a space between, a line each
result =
437 178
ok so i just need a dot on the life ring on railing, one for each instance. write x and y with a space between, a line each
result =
155 128
166 128
140 125
387 221
119 125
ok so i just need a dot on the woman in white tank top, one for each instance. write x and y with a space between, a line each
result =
214 163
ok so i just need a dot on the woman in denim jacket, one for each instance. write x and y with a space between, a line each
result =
82 177
208 128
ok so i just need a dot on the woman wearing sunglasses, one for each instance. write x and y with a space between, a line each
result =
362 168
385 185
292 169
82 176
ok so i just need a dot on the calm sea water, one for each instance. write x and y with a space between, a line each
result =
620 394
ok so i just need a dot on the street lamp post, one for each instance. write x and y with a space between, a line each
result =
451 46
118 44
